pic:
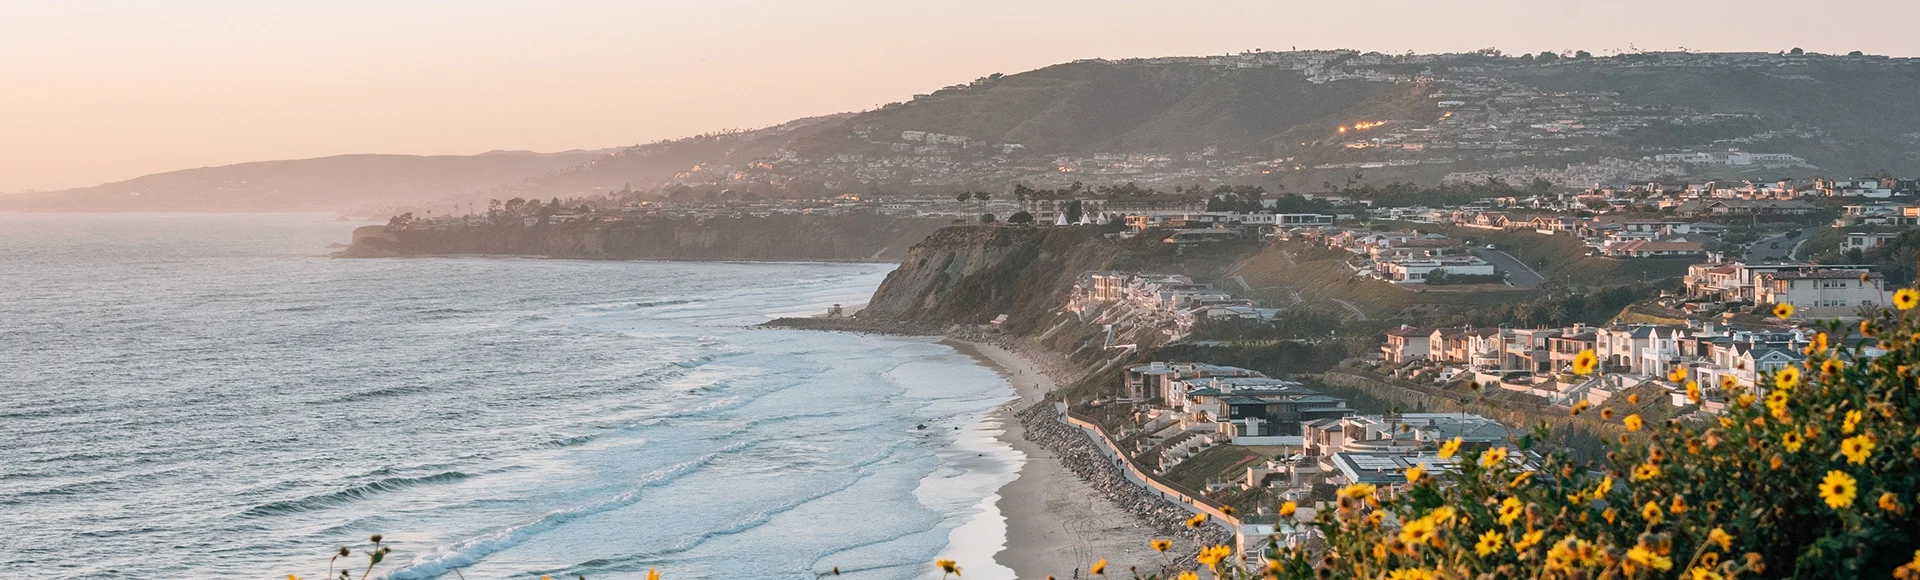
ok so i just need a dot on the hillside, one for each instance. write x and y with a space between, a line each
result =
1306 120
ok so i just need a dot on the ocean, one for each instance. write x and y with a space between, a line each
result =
209 396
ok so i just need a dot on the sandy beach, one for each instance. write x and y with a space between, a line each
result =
1056 525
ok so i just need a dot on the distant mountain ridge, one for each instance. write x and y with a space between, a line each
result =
319 184
1295 119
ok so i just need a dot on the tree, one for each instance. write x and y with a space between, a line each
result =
1582 55
1796 51
1540 186
400 221
1074 212
982 196
987 218
963 196
1546 56
1856 53
1020 218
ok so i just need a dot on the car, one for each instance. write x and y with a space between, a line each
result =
1490 247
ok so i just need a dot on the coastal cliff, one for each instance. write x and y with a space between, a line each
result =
970 274
775 238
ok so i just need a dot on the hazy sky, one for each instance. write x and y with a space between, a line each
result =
94 91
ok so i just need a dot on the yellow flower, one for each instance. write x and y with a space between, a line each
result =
1649 558
1646 471
1510 510
1775 462
1160 545
1678 505
1580 405
1099 567
1791 441
1376 517
1606 414
1857 448
1449 448
1831 366
1414 473
1783 310
1677 374
1693 391
1490 542
947 567
1728 382
1211 556
1357 490
1745 400
1608 515
1189 575
1787 377
1651 513
1522 479
1704 573
1889 502
1287 509
1529 540
654 574
1417 532
1719 536
1410 574
1492 457
1838 489
1906 298
1585 362
1632 422
1605 487
1852 421
1633 399
1196 520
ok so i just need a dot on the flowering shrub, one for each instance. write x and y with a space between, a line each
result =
1814 475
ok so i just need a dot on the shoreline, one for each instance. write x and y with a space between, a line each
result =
1055 523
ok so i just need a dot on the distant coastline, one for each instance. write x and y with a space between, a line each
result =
837 239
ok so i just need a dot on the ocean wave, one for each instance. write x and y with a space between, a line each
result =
572 441
465 553
351 494
381 393
639 562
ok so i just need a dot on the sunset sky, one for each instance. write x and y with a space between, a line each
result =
94 91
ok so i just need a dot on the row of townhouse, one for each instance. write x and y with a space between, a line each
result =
1813 290
1538 360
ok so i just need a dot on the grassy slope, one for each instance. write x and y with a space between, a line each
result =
1320 278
